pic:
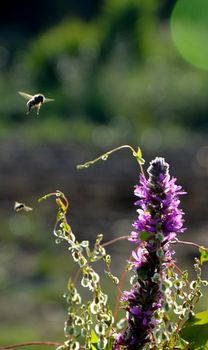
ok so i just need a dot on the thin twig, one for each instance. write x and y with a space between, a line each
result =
189 243
181 272
119 290
48 343
75 277
119 293
115 240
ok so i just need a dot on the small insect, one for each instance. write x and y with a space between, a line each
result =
35 101
21 206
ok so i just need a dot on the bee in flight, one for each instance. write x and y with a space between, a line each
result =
35 101
21 206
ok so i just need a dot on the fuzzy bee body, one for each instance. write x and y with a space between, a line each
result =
34 101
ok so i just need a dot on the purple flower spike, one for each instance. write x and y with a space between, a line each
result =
158 201
159 221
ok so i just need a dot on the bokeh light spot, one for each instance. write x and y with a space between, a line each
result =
189 30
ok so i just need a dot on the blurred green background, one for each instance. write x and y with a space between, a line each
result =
120 71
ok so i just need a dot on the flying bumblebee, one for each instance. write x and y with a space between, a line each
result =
21 206
35 101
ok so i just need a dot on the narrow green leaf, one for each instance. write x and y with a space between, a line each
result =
110 343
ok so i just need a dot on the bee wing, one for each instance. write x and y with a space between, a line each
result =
23 94
26 208
48 100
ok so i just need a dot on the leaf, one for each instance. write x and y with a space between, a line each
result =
181 344
61 205
94 340
203 255
99 238
195 331
138 156
145 236
110 343
109 346
93 347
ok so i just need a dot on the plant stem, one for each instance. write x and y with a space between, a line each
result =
105 156
189 243
115 240
48 343
181 272
119 292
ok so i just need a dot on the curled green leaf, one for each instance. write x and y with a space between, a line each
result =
203 254
138 156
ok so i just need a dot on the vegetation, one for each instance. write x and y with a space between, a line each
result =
119 69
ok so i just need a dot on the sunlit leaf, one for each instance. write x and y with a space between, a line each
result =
195 331
61 205
94 339
181 344
93 347
138 156
203 255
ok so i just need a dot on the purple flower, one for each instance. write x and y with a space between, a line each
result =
118 342
159 221
139 256
159 202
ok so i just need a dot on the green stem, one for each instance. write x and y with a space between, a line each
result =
104 156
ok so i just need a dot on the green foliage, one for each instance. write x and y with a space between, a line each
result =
181 296
195 331
85 319
68 37
106 71
111 66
